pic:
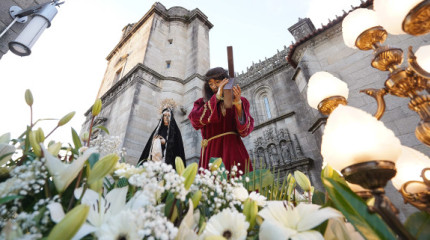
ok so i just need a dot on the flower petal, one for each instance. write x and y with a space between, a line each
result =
116 198
312 216
83 231
139 200
89 198
56 211
273 230
308 235
275 211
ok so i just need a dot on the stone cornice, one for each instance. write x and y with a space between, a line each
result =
274 120
134 75
158 8
292 55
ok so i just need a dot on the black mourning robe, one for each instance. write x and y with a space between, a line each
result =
174 144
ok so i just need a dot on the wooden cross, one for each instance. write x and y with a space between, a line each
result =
228 88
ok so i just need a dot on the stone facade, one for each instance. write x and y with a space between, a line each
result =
6 19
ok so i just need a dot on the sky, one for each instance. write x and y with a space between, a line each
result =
67 64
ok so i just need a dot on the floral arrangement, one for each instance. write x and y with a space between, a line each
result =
86 191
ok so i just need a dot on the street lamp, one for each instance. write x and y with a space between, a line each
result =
357 144
42 18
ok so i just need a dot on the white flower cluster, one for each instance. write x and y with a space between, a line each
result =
217 192
28 220
141 223
157 178
108 145
126 170
27 179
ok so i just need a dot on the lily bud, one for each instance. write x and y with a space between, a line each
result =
40 136
85 136
28 97
196 198
328 172
97 107
54 148
34 144
291 184
97 185
66 119
70 224
302 180
189 174
250 210
179 165
215 164
103 167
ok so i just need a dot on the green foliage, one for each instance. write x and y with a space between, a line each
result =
93 159
76 140
258 179
9 198
103 128
418 224
356 211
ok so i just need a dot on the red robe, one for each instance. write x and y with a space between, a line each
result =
209 119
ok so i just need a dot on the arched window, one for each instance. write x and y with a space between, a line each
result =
264 104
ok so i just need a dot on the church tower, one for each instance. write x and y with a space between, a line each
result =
162 56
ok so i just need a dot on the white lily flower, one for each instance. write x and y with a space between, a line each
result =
6 150
101 209
283 221
64 173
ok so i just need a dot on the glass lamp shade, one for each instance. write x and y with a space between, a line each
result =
24 42
323 85
353 136
409 166
356 23
423 57
391 13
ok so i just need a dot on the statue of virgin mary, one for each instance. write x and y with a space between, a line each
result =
165 142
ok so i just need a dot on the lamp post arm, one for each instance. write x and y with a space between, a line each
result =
377 94
35 9
8 27
387 211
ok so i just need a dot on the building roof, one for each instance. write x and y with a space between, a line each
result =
289 58
171 14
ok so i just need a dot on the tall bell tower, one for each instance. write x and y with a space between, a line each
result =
162 56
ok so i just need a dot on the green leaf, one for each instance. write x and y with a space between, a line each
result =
170 205
102 128
122 182
93 159
76 139
9 198
418 224
318 198
356 211
259 179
